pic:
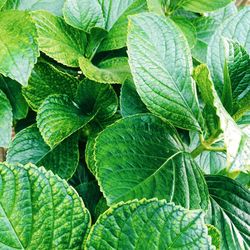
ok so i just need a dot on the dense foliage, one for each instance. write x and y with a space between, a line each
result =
126 124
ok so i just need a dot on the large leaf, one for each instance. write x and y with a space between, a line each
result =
59 40
230 212
237 28
149 224
47 80
13 91
39 210
28 146
5 120
147 161
59 117
161 66
117 35
83 14
18 45
53 6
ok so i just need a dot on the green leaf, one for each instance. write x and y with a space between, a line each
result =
53 6
161 66
117 35
59 40
236 27
236 141
214 233
28 146
12 90
204 5
2 2
5 120
47 80
39 210
130 101
59 117
18 45
230 212
149 224
156 6
147 161
113 70
83 14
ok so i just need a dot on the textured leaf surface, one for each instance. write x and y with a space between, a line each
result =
83 14
161 67
53 6
12 90
5 120
39 210
18 45
230 212
59 117
236 28
114 70
28 146
214 233
147 161
149 224
47 80
59 40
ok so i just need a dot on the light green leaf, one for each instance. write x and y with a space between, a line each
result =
236 27
147 161
83 14
117 36
59 117
18 45
130 101
53 6
230 212
5 120
47 80
161 66
2 2
204 5
156 6
114 70
59 40
39 210
13 91
28 146
149 224
214 233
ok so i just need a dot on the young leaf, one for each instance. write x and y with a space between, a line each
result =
114 70
161 67
236 27
148 162
59 40
83 14
214 233
230 212
18 45
5 120
39 210
12 90
47 80
59 117
53 6
28 146
149 224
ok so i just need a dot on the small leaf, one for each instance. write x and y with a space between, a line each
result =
47 80
18 45
28 146
59 40
114 70
59 117
40 210
5 120
214 233
230 212
161 69
149 224
83 14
